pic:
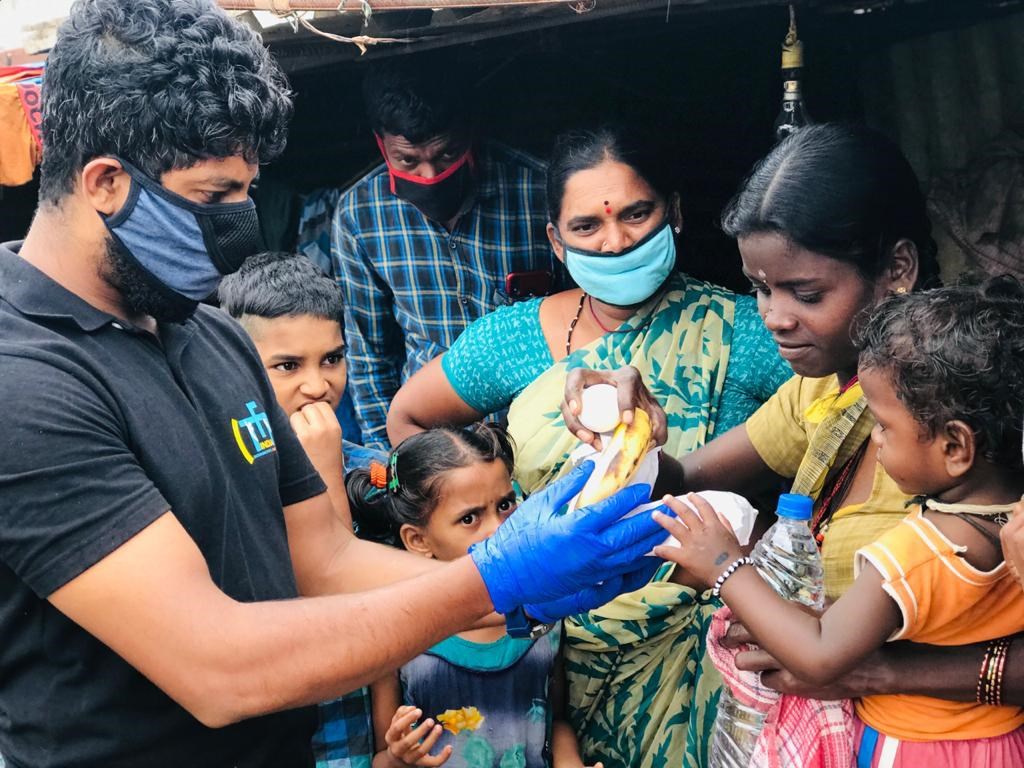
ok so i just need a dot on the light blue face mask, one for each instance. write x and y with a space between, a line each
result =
629 277
187 247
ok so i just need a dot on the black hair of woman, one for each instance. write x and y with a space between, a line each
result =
419 463
956 353
844 191
585 148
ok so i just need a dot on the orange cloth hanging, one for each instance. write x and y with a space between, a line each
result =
20 117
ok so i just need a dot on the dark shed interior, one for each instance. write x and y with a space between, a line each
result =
945 78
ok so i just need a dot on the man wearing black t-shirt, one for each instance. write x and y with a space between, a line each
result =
159 519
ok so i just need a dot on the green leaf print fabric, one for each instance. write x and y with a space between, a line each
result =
642 691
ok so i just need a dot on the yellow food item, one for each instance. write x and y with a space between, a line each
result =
626 449
459 720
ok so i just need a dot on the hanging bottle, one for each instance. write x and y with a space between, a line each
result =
793 114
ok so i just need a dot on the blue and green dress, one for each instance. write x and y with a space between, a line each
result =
492 698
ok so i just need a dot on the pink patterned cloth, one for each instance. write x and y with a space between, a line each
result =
798 732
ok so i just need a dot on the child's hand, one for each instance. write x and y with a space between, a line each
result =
411 746
319 433
1012 537
707 546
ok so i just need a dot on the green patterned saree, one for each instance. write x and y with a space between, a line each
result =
642 693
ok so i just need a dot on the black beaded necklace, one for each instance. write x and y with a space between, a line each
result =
572 325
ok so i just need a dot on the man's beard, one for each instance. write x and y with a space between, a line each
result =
141 293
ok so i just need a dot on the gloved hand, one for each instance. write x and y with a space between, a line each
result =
539 555
594 597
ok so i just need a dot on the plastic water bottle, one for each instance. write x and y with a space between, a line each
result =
787 558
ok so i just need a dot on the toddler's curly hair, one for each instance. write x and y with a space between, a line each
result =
956 353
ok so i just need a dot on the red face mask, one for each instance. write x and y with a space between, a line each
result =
438 198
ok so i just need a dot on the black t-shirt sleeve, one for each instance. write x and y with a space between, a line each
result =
72 490
298 479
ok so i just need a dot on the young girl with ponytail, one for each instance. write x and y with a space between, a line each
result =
481 695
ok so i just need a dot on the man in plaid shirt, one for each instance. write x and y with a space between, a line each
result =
445 231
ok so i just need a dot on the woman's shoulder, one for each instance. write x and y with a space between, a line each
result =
518 310
747 322
801 392
494 325
788 407
512 335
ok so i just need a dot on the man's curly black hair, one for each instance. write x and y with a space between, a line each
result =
956 353
162 83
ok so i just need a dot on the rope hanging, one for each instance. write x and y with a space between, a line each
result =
362 42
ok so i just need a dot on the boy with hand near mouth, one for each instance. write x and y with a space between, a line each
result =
294 313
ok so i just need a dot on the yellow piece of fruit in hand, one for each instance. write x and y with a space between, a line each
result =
624 453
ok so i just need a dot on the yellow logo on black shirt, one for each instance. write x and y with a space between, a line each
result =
253 433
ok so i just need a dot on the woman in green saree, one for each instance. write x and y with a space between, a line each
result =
641 693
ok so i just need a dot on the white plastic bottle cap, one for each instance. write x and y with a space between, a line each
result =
600 411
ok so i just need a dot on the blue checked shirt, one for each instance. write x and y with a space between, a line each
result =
411 287
345 736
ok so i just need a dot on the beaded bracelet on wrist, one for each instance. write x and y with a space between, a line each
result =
734 566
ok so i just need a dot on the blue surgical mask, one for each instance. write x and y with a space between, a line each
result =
184 246
629 277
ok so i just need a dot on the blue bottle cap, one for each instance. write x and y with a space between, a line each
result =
795 506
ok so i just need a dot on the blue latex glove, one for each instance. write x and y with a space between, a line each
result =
594 597
539 555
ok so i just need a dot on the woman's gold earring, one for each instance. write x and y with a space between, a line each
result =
901 290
